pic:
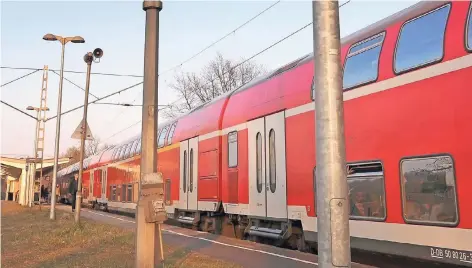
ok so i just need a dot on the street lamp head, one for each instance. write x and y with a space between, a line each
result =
77 39
30 108
50 37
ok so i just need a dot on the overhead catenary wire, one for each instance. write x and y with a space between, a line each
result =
16 79
90 93
221 39
69 71
246 60
101 98
19 110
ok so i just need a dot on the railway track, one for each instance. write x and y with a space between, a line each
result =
361 257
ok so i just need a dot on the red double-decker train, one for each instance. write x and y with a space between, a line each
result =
245 162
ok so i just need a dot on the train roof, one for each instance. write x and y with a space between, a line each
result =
375 28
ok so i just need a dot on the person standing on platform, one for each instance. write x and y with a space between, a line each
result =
73 190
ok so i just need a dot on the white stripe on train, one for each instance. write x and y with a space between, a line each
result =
407 78
423 235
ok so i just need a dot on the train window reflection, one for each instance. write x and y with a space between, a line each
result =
162 137
171 134
259 161
129 194
421 40
123 193
272 162
185 172
167 192
428 186
366 190
469 29
191 171
362 62
233 149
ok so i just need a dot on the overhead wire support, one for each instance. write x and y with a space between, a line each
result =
13 107
75 84
237 65
104 97
222 38
16 79
75 72
262 51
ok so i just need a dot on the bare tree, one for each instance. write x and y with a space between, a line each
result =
73 153
93 147
219 76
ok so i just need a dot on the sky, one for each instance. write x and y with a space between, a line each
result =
118 27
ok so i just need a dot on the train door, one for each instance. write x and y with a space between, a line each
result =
193 174
91 182
189 174
267 166
183 174
104 184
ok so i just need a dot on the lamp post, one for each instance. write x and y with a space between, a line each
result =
31 108
88 58
63 41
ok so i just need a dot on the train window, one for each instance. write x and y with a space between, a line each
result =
421 40
129 194
185 172
313 88
128 150
468 33
138 147
259 162
362 62
272 162
113 192
133 148
122 153
123 193
167 192
162 138
91 183
366 190
191 171
171 134
114 153
118 152
233 149
428 188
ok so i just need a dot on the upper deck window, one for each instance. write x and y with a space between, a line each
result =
162 137
138 148
429 191
128 150
171 134
421 40
362 62
134 151
469 30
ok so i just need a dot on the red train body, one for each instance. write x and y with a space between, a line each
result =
247 159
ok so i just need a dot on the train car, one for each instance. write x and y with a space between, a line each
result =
406 88
246 160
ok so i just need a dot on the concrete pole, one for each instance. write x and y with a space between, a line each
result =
332 201
146 234
88 58
52 214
